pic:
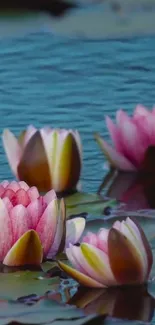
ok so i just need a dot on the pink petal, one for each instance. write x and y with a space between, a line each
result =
12 149
46 227
8 193
5 183
132 141
35 210
14 186
140 110
23 185
103 240
7 203
121 116
74 230
49 196
33 193
90 238
2 189
116 159
19 220
6 238
114 133
21 198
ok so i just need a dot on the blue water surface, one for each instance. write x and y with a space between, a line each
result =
73 84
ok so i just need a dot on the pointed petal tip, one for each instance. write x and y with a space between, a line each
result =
115 158
26 251
12 149
79 277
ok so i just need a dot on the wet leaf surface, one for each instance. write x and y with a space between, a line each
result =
94 204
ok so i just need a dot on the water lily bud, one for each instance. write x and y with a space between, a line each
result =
45 158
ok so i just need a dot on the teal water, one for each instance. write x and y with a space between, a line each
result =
73 84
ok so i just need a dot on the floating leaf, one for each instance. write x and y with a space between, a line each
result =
87 203
23 283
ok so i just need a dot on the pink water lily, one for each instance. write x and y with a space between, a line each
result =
119 256
131 137
33 227
46 158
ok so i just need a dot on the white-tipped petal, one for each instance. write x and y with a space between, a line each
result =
12 149
74 230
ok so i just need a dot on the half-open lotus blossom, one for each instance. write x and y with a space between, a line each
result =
131 137
45 158
33 227
115 257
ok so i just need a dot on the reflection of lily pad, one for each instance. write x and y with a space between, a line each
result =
88 203
45 311
23 283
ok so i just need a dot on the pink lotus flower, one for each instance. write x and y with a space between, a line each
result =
119 256
32 226
45 158
131 136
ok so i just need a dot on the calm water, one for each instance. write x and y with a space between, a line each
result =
68 83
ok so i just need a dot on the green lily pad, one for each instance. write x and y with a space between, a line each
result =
87 203
23 283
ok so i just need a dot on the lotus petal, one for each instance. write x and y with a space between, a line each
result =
19 219
33 167
12 149
114 133
23 185
14 186
33 193
80 277
99 262
74 230
124 260
49 196
35 211
47 224
140 110
26 251
68 164
60 235
146 246
6 237
31 130
116 159
132 141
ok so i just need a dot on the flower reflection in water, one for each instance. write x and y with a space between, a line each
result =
132 303
136 191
